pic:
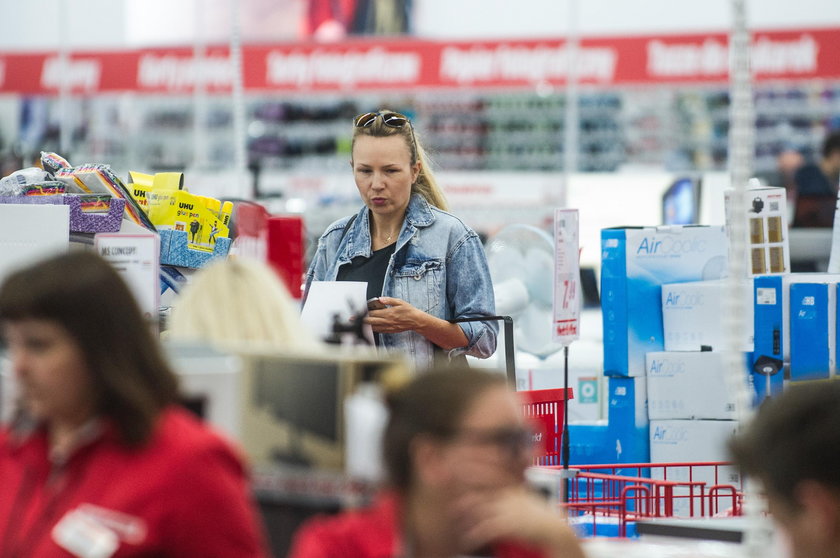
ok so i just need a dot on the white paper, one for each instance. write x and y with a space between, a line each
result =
137 258
29 233
327 299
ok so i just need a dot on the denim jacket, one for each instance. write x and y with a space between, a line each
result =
438 266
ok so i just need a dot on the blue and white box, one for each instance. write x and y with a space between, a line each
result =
770 333
635 263
628 438
812 330
773 325
692 314
689 385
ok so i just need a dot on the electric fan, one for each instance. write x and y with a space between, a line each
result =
521 261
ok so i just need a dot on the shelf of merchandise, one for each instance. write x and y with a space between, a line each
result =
679 128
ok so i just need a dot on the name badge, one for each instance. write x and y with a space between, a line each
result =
83 536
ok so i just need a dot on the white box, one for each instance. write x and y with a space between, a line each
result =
688 385
694 441
29 233
636 262
692 314
765 229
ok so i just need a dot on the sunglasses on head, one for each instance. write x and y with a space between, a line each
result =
390 119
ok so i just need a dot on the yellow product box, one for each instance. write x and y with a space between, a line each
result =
180 210
213 229
139 185
141 195
177 210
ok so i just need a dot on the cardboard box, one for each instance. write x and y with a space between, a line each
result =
636 262
766 233
627 428
772 324
688 385
692 314
813 322
693 441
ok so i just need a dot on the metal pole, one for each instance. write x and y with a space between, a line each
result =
64 112
741 153
566 444
199 159
571 116
238 102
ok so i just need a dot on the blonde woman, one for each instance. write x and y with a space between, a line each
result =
424 264
238 301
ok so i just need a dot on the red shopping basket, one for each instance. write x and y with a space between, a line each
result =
609 499
545 407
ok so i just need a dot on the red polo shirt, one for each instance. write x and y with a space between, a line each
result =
184 493
370 533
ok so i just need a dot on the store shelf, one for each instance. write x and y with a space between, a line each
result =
679 128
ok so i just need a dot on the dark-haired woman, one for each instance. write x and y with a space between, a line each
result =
423 263
455 450
99 460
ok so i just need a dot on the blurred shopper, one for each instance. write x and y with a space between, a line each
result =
822 177
99 459
793 447
455 450
425 265
238 301
788 161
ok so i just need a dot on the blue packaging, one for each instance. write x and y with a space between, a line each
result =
635 263
769 332
774 319
810 352
627 439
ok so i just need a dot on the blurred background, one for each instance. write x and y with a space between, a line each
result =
147 85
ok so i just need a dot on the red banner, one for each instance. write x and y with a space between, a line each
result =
409 64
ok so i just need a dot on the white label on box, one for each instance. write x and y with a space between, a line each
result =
765 296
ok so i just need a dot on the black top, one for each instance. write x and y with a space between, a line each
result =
810 181
372 270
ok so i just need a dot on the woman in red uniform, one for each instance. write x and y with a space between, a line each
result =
455 450
99 460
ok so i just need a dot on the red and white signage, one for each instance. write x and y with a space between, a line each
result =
360 65
567 295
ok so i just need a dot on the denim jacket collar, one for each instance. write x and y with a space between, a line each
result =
418 215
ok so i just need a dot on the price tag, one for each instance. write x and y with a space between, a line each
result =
567 299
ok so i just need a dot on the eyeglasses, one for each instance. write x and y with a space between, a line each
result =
390 119
514 441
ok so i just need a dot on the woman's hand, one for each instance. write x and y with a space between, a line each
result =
514 514
396 317
400 316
